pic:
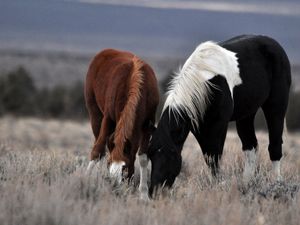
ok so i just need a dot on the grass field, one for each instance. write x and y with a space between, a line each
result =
42 181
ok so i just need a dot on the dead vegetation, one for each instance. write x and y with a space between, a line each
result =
42 181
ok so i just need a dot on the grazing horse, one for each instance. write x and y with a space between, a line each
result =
121 95
222 82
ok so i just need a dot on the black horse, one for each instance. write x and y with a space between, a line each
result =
222 82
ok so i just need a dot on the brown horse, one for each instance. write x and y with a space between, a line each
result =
121 95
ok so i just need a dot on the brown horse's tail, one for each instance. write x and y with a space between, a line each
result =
126 122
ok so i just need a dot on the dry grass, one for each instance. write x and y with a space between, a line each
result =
42 181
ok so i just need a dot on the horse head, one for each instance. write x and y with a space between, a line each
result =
164 150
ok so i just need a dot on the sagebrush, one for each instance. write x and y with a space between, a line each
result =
43 181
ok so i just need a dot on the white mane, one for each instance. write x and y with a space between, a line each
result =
190 88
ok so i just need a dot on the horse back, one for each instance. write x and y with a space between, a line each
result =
264 70
108 82
260 52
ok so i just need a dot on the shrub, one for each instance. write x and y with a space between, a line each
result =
20 97
75 103
17 93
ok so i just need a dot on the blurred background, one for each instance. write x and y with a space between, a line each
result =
46 45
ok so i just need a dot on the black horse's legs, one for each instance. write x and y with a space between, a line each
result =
246 132
275 124
211 139
274 109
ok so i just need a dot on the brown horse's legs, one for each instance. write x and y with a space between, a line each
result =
144 143
98 150
94 111
131 168
143 160
96 118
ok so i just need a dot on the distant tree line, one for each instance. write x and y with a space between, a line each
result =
19 96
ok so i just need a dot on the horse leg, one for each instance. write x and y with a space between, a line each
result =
96 119
274 110
98 150
94 111
212 140
275 122
246 132
143 160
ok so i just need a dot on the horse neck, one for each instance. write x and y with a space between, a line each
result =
173 128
